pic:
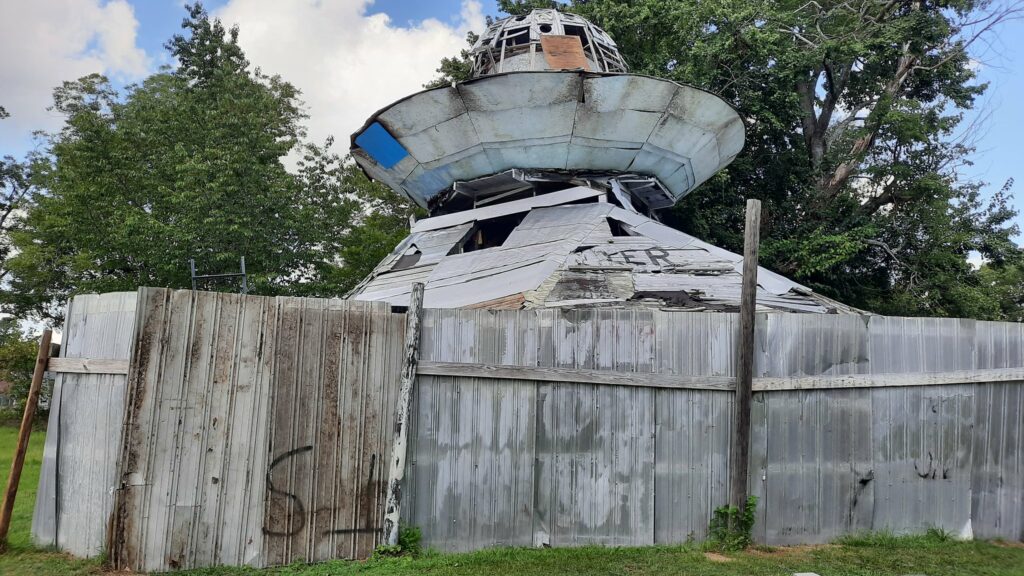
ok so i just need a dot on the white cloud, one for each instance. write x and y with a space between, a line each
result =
44 43
347 63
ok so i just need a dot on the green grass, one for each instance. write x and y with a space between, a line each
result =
23 559
874 554
914 555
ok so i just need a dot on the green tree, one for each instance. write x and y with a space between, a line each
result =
15 189
188 164
376 220
17 362
854 139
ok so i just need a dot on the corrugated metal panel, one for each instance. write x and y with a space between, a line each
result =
78 475
997 499
474 442
553 238
824 462
922 458
812 465
691 461
560 120
257 430
997 479
595 444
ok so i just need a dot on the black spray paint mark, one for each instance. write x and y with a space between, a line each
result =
300 508
930 472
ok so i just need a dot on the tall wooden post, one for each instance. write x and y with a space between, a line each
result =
739 467
399 448
42 358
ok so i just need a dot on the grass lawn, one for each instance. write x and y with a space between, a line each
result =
870 555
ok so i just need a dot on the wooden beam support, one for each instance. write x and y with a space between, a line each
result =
578 376
740 453
399 449
762 384
88 366
11 492
892 380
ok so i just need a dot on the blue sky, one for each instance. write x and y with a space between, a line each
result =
997 159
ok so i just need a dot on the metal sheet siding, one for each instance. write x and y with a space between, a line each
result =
997 476
75 494
556 120
824 462
257 430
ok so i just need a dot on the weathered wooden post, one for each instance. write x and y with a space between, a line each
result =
400 446
738 469
42 358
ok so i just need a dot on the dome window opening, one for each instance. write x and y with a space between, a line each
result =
524 43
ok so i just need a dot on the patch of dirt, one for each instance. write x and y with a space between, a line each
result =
777 551
1007 544
713 557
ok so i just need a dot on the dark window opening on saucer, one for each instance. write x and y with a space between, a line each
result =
492 233
408 260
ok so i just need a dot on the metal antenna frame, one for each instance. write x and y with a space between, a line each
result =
242 274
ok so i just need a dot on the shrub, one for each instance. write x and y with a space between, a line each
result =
731 528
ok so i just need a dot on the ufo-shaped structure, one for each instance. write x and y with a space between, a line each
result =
543 174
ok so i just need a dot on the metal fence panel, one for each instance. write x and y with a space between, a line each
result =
997 498
824 462
257 430
78 473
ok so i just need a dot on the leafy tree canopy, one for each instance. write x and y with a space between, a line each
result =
855 140
191 164
15 188
17 363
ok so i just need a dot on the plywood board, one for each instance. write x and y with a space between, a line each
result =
563 52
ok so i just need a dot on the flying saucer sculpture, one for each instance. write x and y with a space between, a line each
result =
542 175
525 111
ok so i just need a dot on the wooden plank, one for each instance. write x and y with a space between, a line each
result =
11 492
615 378
87 365
740 452
398 451
574 375
890 380
510 302
563 52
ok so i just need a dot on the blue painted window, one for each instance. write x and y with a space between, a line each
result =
381 145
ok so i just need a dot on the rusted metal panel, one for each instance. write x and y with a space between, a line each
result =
258 430
78 475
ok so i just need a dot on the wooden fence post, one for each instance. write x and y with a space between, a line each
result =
42 357
400 447
739 468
